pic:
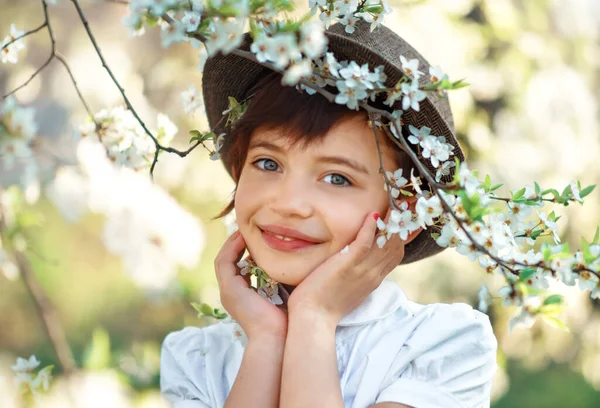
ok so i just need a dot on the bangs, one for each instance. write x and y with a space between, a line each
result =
303 118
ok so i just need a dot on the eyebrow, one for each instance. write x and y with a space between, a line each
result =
323 159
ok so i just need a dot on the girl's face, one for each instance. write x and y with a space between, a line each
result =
321 193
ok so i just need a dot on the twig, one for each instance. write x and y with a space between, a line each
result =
52 53
63 61
35 30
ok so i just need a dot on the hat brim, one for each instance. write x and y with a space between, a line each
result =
233 75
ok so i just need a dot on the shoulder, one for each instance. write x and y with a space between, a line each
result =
452 324
188 356
447 357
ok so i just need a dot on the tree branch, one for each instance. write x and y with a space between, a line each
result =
44 309
52 53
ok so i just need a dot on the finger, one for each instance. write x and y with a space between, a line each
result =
365 238
229 255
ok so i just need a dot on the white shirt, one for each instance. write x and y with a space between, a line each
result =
388 349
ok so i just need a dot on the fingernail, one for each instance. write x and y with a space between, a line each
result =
376 216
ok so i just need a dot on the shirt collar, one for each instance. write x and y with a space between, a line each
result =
382 302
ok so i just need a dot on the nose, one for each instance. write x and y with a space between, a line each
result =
291 197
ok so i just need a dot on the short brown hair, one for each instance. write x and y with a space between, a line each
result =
304 118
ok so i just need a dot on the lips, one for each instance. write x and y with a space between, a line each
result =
288 233
286 239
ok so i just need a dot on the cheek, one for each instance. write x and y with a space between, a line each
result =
344 222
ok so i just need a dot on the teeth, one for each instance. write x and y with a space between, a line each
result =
283 238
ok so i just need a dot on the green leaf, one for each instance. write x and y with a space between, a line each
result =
535 234
527 273
460 84
205 309
553 299
596 236
374 9
496 187
552 310
555 322
518 194
586 191
551 191
487 183
538 190
588 257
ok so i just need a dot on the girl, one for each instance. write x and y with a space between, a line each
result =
328 330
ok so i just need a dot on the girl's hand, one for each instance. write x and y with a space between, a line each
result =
344 280
256 315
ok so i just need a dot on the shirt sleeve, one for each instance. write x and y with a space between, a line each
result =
449 361
182 369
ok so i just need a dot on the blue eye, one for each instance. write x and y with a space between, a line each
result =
269 165
339 180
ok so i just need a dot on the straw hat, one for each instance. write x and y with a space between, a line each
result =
232 75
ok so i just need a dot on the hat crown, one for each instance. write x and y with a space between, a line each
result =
390 46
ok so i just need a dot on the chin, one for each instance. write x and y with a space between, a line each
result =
283 271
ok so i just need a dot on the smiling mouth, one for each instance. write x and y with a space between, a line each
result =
283 243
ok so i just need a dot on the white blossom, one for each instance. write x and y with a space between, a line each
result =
428 209
374 19
349 96
270 292
224 36
327 17
283 49
418 135
26 365
467 179
485 298
415 181
412 96
401 222
435 150
384 234
313 39
411 68
218 145
551 225
191 100
575 191
10 52
349 21
297 71
444 170
261 48
191 20
397 181
436 74
329 67
126 142
172 33
244 267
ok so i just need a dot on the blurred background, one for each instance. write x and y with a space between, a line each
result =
531 113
